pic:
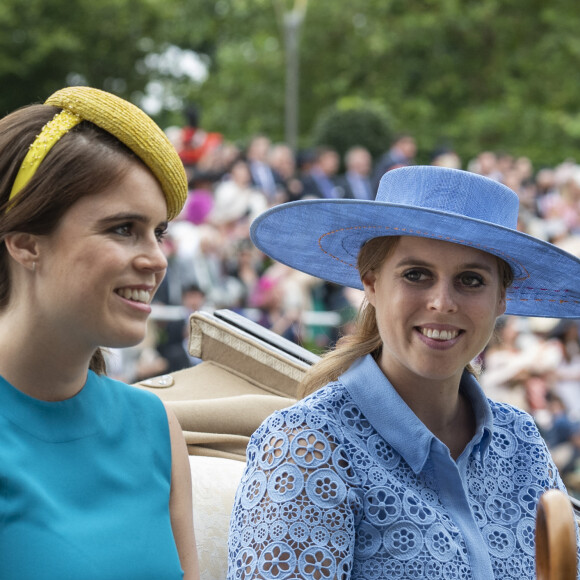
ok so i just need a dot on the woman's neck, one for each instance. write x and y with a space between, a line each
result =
35 362
444 410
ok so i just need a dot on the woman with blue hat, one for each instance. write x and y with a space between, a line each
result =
395 464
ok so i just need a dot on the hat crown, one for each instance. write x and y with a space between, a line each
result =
450 191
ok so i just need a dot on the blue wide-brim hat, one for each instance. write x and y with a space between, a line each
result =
323 237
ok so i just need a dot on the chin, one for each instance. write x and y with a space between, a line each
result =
126 339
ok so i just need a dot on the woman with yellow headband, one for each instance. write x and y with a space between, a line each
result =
94 474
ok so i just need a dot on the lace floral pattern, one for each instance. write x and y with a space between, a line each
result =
325 496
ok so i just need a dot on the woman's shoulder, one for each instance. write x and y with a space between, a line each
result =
318 411
142 414
507 418
518 449
119 392
506 413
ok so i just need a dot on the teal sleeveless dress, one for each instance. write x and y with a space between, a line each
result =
84 486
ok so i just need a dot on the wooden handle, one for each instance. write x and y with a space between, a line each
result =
555 537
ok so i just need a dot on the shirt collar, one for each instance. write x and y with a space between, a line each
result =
483 415
395 421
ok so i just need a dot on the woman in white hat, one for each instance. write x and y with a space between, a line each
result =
395 464
94 474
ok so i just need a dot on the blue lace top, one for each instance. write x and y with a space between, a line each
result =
348 483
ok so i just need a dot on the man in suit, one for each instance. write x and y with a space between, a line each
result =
320 181
263 176
356 183
401 154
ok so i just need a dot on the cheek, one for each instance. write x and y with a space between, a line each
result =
84 271
388 315
394 303
159 276
77 268
487 316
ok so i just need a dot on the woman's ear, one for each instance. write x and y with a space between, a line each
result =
502 304
23 248
369 283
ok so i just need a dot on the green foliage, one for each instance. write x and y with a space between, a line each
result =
479 74
52 43
353 122
48 44
250 85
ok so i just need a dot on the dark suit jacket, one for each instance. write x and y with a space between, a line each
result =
312 188
345 182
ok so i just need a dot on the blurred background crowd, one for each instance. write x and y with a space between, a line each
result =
531 363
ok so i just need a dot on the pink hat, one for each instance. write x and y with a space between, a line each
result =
199 203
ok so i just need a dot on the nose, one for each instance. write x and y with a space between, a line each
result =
151 257
442 297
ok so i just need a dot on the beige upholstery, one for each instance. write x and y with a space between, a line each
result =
214 483
241 381
244 377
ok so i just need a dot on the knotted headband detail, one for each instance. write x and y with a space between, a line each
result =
123 120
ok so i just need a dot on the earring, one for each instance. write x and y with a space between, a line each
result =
34 266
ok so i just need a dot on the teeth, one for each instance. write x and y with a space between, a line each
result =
439 334
135 295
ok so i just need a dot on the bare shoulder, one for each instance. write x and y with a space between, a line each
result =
180 501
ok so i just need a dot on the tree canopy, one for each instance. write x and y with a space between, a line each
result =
476 74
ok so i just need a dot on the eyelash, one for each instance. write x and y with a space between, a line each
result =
411 276
161 234
127 229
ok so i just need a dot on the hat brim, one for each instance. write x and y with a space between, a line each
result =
323 238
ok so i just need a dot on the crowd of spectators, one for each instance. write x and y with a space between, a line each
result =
212 264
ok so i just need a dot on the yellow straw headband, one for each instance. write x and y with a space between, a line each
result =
50 134
123 120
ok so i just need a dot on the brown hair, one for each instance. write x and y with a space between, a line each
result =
85 161
366 339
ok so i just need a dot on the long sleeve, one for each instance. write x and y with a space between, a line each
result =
295 510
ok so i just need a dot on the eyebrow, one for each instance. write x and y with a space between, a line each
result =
411 261
126 217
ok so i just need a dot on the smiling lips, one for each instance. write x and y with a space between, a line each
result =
438 334
143 296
